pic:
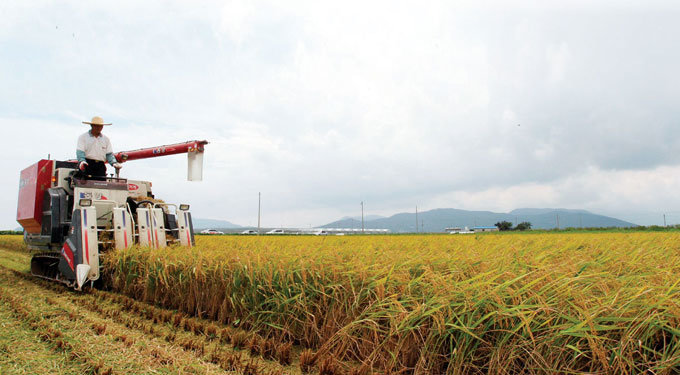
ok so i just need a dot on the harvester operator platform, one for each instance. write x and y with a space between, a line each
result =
94 150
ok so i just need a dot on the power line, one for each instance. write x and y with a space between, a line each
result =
258 211
416 219
362 216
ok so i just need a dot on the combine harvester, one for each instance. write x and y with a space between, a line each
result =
70 220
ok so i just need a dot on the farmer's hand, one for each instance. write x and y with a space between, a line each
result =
82 165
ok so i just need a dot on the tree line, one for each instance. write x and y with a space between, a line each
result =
506 225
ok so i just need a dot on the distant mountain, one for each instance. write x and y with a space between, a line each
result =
213 224
366 218
438 219
540 211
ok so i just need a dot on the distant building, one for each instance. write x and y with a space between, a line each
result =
454 230
485 229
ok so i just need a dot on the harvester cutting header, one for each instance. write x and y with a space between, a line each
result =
71 217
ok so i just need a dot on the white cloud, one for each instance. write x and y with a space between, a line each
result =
234 20
641 196
320 106
558 58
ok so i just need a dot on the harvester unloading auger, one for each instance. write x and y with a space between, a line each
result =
71 220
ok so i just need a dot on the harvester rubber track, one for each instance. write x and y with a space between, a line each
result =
46 266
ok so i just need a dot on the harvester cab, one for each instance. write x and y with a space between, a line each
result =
71 219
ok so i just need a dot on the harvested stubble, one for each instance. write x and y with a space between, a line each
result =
12 242
532 303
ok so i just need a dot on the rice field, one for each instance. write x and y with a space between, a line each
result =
432 304
598 303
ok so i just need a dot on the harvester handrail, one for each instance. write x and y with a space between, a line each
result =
161 204
132 218
106 201
113 203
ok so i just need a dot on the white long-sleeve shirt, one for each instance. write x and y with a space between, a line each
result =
95 148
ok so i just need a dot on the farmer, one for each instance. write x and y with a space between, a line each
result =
94 150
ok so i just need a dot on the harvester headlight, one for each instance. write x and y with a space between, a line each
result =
85 202
184 207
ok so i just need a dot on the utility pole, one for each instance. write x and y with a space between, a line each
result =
362 216
422 226
664 220
557 218
416 219
259 196
580 222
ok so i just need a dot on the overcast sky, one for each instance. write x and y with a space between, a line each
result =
321 105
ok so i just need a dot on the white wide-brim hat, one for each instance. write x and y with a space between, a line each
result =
96 120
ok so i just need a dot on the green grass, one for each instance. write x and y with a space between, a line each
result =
15 260
57 326
21 352
133 341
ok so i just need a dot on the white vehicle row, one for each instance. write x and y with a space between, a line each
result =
211 231
311 231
